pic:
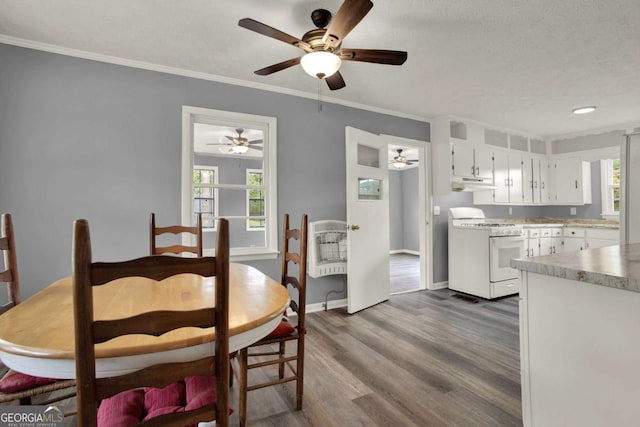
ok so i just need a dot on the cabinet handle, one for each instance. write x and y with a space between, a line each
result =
542 185
506 182
473 169
477 170
535 184
576 183
511 180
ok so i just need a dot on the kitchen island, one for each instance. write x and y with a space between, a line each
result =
580 337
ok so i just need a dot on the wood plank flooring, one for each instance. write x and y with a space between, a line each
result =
404 272
427 358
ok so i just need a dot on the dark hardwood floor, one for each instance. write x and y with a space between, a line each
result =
427 358
404 272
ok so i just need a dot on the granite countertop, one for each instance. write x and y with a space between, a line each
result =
564 222
611 266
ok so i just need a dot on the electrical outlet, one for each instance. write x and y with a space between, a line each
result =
510 211
572 211
436 210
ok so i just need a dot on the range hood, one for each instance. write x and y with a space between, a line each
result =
459 183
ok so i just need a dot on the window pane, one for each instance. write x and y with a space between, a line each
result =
369 189
368 156
616 171
616 199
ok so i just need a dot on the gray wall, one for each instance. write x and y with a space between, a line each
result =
587 142
403 206
84 139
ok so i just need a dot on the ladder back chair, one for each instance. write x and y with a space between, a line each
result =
16 386
89 332
155 231
286 330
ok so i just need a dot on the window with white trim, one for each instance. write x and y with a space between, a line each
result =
205 195
610 187
255 200
229 171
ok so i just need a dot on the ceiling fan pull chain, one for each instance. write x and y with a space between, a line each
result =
319 101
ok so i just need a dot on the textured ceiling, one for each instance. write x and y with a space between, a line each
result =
519 64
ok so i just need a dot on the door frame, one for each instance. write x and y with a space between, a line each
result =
425 211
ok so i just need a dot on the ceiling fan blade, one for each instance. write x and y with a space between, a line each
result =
390 57
230 138
255 147
215 143
346 18
335 81
255 141
265 30
277 67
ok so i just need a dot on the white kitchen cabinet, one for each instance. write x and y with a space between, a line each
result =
471 162
508 177
542 194
598 237
578 238
532 242
550 241
571 181
573 239
529 179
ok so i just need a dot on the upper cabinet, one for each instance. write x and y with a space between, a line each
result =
503 167
571 181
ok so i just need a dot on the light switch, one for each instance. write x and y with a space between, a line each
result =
436 210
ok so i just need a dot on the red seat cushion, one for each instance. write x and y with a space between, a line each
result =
133 406
284 329
18 381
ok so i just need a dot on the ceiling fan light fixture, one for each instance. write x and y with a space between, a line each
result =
584 110
239 149
320 64
399 165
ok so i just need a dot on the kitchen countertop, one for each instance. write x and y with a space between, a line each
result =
612 266
564 222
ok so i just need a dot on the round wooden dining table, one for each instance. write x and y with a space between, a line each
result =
37 335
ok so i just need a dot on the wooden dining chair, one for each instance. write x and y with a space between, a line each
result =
89 332
16 386
286 331
195 231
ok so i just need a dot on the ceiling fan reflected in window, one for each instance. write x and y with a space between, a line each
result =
238 144
323 46
400 161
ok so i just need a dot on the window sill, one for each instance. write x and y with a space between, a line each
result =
610 216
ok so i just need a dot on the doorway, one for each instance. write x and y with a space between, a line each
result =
409 228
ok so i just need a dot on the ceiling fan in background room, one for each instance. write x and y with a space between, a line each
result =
239 144
400 161
323 46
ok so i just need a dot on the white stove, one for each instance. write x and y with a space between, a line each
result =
480 251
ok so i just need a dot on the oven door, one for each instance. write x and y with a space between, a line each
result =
503 250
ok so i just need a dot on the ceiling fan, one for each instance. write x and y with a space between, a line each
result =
239 144
400 161
323 46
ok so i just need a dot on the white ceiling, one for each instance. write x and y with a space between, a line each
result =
518 64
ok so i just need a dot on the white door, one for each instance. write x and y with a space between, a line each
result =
367 220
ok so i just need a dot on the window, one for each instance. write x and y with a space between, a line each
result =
229 171
205 195
610 187
255 200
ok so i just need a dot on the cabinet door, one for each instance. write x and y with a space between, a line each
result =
543 181
501 173
567 181
599 243
484 162
533 247
573 244
515 178
462 158
546 246
528 177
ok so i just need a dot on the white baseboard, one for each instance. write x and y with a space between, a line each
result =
439 285
319 306
404 251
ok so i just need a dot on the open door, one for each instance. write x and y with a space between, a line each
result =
367 220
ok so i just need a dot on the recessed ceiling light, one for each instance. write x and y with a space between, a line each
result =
583 110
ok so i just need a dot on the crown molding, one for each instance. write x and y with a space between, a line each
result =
60 50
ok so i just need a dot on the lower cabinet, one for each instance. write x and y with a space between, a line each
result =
579 239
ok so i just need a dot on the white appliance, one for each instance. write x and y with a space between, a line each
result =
327 244
630 189
480 252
